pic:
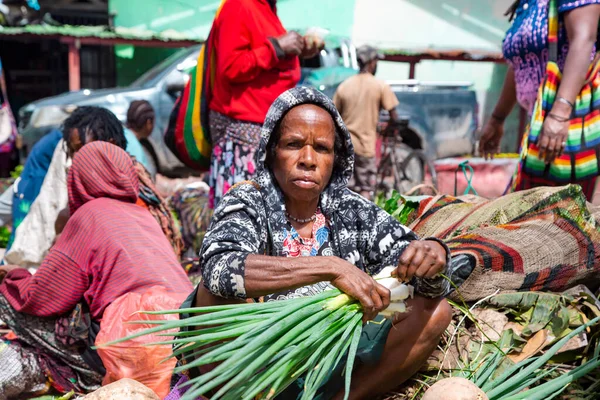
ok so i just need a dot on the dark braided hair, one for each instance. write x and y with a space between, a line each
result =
512 10
95 123
140 111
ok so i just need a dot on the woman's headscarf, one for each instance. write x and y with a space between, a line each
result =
101 170
110 172
342 171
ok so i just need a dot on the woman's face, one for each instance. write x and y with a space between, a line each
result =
75 144
148 128
304 155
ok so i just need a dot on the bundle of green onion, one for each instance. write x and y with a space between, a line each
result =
262 348
515 382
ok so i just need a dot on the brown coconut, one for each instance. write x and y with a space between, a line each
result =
454 389
124 389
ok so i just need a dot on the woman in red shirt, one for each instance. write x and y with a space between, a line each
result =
256 61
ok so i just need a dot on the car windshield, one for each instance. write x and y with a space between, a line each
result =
151 77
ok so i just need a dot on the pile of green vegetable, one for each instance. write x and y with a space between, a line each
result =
515 382
400 207
547 347
262 348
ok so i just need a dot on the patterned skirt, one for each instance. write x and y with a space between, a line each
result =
234 144
35 358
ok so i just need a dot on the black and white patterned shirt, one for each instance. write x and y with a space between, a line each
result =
251 219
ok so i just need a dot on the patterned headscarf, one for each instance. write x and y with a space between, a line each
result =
101 169
342 173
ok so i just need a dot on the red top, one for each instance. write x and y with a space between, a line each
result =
109 247
248 74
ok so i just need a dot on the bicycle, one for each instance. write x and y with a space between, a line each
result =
403 165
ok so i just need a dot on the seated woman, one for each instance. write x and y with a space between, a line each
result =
296 228
110 246
139 127
35 236
27 186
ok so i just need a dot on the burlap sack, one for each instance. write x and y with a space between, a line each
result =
540 239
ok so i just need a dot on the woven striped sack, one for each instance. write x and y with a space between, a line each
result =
580 158
187 134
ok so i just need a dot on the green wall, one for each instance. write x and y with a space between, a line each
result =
194 18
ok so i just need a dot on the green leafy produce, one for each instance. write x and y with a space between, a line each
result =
501 379
264 347
66 396
17 172
4 237
398 206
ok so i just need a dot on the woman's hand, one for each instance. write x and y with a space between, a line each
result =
423 259
312 46
5 269
489 143
355 283
581 25
291 43
554 133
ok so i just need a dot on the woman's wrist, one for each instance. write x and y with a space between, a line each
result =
328 268
561 110
498 117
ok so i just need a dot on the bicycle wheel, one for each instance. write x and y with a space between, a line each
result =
411 167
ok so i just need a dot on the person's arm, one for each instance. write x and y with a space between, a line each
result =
582 28
508 97
241 61
55 289
389 102
419 261
233 266
492 132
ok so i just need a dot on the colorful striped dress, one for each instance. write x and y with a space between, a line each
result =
525 47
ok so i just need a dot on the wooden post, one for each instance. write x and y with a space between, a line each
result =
74 66
412 71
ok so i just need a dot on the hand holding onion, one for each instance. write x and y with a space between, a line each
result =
421 259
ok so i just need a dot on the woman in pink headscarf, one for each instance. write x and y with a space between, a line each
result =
110 246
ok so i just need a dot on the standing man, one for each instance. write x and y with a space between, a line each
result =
359 100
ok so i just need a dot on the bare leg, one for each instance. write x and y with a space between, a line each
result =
409 344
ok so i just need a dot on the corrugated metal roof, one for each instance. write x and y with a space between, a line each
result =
97 32
443 54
